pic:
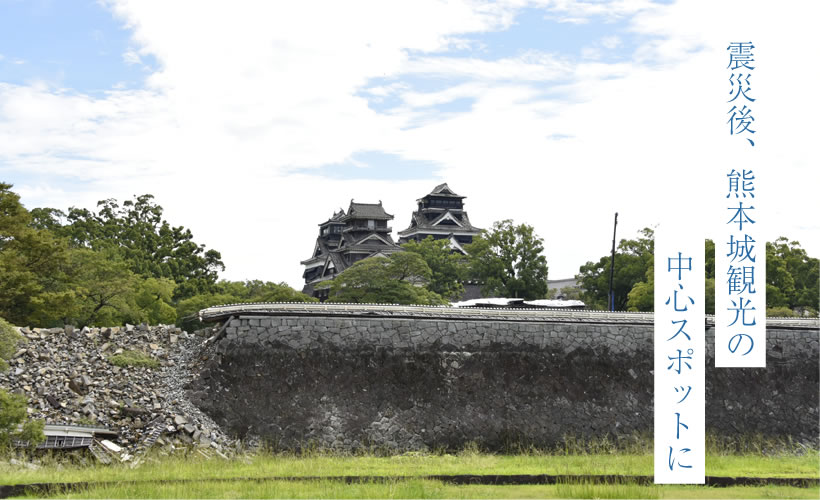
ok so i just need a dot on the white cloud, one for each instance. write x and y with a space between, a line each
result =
580 12
131 57
530 66
592 53
248 93
611 42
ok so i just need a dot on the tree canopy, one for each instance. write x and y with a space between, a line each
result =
509 261
32 261
633 265
791 277
396 279
149 244
448 267
118 265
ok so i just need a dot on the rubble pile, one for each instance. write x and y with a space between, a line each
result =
68 376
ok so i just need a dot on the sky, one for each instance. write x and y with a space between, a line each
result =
252 122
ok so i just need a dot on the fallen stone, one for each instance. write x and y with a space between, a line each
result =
77 387
135 412
111 446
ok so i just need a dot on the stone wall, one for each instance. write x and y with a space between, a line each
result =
414 378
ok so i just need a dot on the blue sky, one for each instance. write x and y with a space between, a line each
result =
76 45
552 113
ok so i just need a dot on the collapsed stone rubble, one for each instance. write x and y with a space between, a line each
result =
68 378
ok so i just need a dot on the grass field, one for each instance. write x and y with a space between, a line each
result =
415 488
267 465
220 479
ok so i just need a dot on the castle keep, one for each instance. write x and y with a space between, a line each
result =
345 239
441 215
362 232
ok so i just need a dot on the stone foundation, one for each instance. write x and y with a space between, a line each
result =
425 378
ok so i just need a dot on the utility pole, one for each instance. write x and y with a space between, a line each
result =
612 267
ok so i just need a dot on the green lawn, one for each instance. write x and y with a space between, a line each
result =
415 488
264 465
220 474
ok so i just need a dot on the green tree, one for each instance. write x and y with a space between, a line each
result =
99 289
49 219
791 276
642 295
13 406
31 260
509 261
14 423
791 281
397 279
9 340
281 292
154 301
234 292
261 291
188 309
709 268
448 267
149 244
13 216
633 260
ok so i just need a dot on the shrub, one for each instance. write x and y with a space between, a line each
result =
133 358
9 338
780 312
13 422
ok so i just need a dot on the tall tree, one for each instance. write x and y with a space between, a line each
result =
642 295
633 259
31 259
509 261
791 276
150 245
448 268
97 288
792 279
